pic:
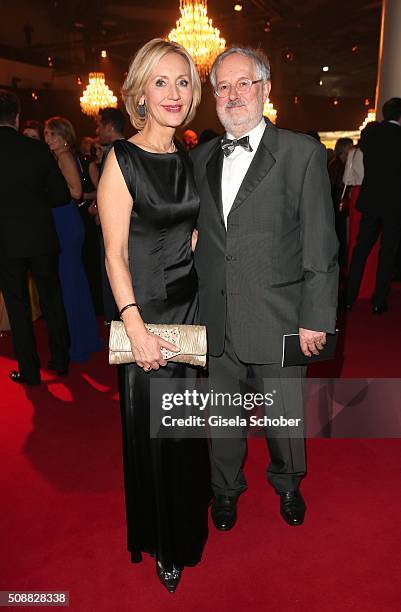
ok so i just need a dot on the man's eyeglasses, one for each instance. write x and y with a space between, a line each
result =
243 86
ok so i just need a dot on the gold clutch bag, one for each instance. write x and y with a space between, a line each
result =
191 339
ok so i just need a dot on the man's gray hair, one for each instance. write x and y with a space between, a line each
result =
261 62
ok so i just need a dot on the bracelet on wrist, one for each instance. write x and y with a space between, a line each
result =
133 305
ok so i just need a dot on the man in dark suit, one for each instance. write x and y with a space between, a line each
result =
266 258
31 183
380 204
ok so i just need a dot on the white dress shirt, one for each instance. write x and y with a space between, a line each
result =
236 165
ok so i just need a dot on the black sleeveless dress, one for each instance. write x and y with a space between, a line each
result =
167 481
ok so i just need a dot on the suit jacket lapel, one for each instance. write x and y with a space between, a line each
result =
214 169
261 165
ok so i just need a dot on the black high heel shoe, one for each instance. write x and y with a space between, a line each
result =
169 578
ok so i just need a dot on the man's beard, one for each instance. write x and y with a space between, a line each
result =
248 120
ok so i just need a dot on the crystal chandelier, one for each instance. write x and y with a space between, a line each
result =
196 33
97 95
370 117
269 111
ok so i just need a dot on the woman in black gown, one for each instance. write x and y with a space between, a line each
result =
148 207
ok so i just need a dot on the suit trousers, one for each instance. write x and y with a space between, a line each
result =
228 374
370 225
14 285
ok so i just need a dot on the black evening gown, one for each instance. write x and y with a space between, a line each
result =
167 481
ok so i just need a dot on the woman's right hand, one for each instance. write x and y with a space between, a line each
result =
146 349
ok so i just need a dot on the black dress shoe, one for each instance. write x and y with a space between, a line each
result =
63 371
378 309
168 578
17 377
224 512
292 507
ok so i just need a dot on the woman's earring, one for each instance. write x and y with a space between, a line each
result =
142 110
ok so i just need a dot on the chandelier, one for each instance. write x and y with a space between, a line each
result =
269 111
196 33
370 117
97 95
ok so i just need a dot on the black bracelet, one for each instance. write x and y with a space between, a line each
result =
129 306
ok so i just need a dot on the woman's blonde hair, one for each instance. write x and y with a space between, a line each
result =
139 73
62 127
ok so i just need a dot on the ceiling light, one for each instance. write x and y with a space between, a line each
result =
195 32
269 111
103 53
325 68
97 95
371 116
238 7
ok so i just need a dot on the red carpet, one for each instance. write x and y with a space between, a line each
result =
63 527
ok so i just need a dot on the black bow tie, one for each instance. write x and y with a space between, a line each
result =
228 145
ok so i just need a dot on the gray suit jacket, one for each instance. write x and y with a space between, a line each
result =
275 268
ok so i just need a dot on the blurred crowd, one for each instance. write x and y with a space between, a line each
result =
365 185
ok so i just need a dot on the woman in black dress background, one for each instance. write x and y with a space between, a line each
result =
148 207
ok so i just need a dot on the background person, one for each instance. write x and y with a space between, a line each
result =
353 178
33 129
190 138
336 168
380 204
84 334
31 184
89 215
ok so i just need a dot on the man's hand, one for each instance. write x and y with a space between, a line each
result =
311 341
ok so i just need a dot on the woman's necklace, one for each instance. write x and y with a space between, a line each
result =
172 148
